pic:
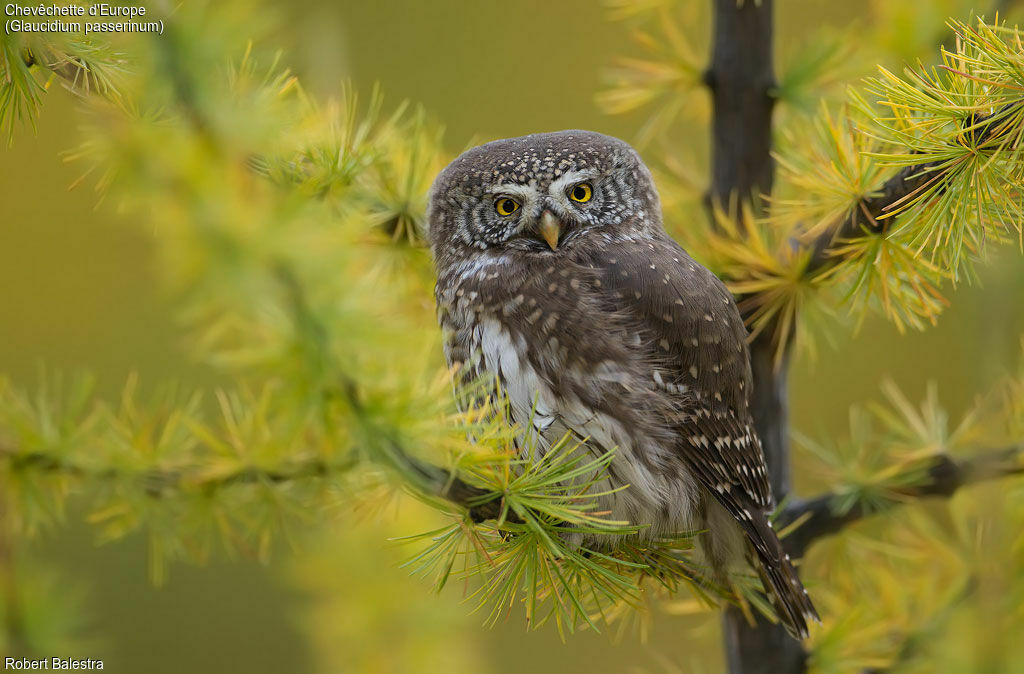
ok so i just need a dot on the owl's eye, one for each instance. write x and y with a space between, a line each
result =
581 193
506 206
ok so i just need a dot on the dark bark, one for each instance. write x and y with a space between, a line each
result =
762 648
741 78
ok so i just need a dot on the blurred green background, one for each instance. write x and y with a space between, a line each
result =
78 290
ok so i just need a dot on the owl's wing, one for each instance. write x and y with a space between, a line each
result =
697 344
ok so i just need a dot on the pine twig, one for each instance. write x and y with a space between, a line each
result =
165 483
945 475
903 185
74 71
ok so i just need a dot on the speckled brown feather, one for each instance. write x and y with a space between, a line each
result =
692 322
616 336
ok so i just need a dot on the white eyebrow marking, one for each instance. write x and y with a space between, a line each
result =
523 193
558 187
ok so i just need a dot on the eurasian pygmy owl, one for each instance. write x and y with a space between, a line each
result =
555 276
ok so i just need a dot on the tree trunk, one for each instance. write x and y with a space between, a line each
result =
741 79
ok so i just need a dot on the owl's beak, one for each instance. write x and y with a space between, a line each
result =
550 228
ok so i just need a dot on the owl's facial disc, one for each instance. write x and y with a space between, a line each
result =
541 195
540 216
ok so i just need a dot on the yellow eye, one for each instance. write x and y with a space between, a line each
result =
581 193
506 206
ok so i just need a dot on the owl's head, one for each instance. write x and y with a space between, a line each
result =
541 193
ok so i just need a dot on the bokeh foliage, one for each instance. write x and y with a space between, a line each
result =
290 235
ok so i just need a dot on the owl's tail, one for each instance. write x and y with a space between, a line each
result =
781 583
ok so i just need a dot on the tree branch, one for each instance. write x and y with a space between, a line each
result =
946 475
869 217
434 480
482 504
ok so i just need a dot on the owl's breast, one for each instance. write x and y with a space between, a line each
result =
600 409
568 365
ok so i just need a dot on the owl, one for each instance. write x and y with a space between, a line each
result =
556 279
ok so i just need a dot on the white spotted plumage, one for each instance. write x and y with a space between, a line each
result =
603 327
